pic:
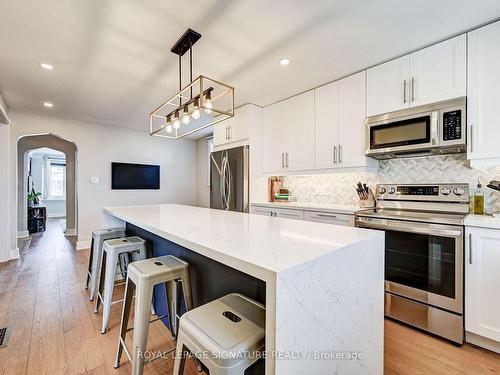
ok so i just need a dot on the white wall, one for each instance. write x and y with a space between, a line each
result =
6 243
97 146
202 187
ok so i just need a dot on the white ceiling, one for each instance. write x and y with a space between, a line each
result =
113 63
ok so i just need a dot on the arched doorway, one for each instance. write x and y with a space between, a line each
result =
27 143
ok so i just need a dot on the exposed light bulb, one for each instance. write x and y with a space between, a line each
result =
168 128
208 106
185 116
177 124
196 114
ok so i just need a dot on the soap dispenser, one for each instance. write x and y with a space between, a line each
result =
479 200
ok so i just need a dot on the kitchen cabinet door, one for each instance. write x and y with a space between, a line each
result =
482 95
220 133
329 218
274 138
238 125
438 72
482 282
388 86
265 211
289 214
326 103
300 123
352 114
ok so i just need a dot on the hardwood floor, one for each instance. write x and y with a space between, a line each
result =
54 330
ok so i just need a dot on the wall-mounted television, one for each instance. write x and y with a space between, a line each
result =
126 176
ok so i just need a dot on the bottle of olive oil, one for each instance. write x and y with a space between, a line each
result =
479 200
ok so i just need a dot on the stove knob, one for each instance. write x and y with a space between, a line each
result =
392 190
446 191
382 190
458 191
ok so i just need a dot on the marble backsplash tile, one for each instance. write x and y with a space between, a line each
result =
340 187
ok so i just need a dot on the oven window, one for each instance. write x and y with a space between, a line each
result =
421 261
401 133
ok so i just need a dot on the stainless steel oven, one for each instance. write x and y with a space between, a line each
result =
424 244
438 128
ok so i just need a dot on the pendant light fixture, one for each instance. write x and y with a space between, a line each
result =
203 102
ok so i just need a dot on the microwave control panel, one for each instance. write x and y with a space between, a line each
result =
452 125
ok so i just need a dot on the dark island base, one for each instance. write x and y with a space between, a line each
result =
209 279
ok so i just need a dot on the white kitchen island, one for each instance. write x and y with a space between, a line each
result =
324 284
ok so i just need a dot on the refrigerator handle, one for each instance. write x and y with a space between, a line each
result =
216 165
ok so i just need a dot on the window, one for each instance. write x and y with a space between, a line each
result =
55 179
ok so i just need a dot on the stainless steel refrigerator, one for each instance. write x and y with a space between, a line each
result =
229 179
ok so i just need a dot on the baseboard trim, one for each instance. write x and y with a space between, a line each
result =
83 245
22 234
70 232
483 342
14 253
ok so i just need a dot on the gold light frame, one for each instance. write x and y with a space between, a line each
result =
221 92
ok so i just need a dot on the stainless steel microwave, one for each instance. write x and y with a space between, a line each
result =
433 129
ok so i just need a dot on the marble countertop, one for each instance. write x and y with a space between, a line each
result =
482 221
319 207
258 245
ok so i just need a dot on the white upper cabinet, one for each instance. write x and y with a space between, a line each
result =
299 155
326 103
482 95
430 75
340 112
288 134
274 136
236 128
482 281
220 133
438 72
352 114
387 86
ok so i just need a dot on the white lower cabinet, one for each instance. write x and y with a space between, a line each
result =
329 218
278 212
482 287
320 217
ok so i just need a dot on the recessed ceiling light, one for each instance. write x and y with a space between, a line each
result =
48 104
284 61
47 66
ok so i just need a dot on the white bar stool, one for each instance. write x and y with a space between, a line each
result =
134 246
98 237
143 276
218 332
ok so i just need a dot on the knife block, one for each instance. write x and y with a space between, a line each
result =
369 202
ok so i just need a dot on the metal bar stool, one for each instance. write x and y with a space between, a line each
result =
225 335
143 276
112 249
98 238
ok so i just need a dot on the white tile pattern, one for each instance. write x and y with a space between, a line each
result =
340 187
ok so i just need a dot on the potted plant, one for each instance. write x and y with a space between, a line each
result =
34 197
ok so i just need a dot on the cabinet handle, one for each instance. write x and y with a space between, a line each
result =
327 215
470 248
340 154
405 84
412 89
226 133
282 160
334 154
471 140
286 159
230 132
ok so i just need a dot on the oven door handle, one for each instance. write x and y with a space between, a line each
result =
406 227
